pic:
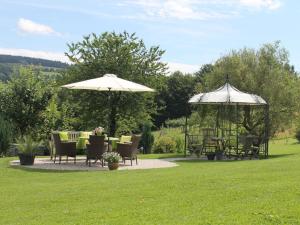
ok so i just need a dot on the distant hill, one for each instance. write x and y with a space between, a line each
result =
9 62
32 61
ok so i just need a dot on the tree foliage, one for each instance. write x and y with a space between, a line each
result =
24 98
265 72
173 97
124 55
6 131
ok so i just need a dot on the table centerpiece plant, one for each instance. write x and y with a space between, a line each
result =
99 131
27 149
112 159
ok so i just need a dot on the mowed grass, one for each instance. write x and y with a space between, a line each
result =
235 192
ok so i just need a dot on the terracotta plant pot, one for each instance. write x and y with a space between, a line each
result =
113 166
26 159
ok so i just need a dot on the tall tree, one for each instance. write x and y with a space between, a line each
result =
124 55
24 98
174 95
265 72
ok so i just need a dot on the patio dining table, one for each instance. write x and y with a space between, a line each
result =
113 141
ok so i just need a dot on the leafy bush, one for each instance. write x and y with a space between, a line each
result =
126 125
179 144
5 135
297 135
176 134
147 139
164 144
180 122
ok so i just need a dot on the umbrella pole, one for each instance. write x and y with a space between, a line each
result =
109 115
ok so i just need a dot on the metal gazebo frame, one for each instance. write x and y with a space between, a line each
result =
229 96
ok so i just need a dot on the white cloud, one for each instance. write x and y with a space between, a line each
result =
261 4
198 9
178 9
184 68
57 56
28 26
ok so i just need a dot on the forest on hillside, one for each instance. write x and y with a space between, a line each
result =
9 63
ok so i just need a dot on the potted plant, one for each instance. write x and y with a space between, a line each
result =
219 154
112 159
26 150
98 131
210 155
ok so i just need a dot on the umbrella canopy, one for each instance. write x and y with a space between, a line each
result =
227 94
109 82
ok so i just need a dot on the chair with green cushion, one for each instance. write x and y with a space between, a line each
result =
85 134
63 135
128 151
83 139
63 148
125 139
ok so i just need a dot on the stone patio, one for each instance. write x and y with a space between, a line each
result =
47 164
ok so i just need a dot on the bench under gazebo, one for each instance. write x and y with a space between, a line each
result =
236 125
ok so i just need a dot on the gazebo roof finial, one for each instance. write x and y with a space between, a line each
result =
227 78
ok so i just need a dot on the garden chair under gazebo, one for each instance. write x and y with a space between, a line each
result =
228 129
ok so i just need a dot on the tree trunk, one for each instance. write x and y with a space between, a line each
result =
112 121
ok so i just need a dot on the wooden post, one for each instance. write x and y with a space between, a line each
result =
267 131
185 135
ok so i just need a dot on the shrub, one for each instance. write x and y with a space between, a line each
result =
179 144
5 135
147 139
164 144
180 122
297 135
26 145
126 126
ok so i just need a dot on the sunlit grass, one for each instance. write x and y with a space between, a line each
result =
235 192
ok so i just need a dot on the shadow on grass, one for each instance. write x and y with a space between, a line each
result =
295 143
28 169
280 155
207 161
203 160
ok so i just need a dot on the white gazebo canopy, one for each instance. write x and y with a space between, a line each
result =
109 82
227 95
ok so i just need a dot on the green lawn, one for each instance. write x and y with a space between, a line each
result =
235 192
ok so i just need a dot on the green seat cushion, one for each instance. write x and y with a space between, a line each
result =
64 135
124 139
85 134
83 139
81 143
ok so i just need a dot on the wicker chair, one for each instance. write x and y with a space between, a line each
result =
63 148
208 143
250 146
95 149
128 151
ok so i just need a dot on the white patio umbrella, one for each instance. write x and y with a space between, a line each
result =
109 82
227 94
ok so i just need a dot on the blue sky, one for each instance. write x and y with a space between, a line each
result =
193 32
